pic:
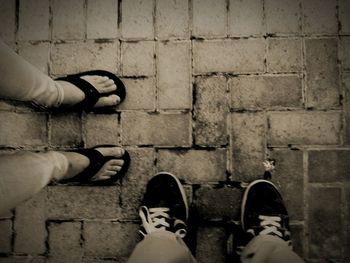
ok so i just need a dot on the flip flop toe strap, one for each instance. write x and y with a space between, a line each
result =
91 93
97 160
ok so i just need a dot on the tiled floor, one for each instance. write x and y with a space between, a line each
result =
214 88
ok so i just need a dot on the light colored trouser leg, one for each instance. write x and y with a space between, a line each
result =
161 247
24 174
269 249
19 80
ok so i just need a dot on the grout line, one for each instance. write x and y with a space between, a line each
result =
155 21
306 204
85 4
156 79
227 24
345 218
301 9
17 6
49 129
119 21
264 20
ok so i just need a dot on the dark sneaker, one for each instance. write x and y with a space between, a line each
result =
263 211
164 206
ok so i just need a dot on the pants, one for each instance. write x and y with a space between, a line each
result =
19 80
165 247
24 174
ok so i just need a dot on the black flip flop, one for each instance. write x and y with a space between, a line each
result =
91 93
97 160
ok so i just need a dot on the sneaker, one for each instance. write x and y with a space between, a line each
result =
263 211
164 206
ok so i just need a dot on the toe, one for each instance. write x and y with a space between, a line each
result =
118 152
109 88
108 83
115 162
105 175
111 100
112 151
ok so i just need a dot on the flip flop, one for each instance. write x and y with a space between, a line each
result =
91 93
97 160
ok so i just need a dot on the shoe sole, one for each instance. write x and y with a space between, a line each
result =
244 200
182 190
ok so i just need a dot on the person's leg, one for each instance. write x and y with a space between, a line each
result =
22 81
164 214
24 174
161 247
265 222
269 249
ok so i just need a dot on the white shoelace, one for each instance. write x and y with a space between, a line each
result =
271 225
155 219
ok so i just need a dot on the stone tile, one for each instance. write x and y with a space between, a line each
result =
141 170
36 54
210 111
172 19
209 18
137 19
110 238
246 18
248 144
34 19
329 166
30 226
102 129
305 128
211 244
234 55
322 85
8 20
283 16
170 129
140 94
344 10
324 221
174 75
215 203
69 58
6 236
101 260
68 19
252 92
346 103
289 179
65 242
345 52
83 202
66 129
320 17
23 259
138 58
284 55
18 129
347 245
298 240
194 166
102 19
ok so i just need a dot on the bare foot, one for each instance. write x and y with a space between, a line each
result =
78 162
73 95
